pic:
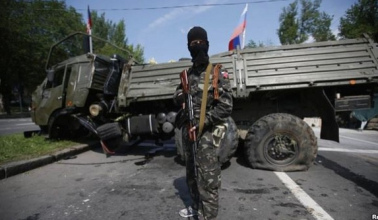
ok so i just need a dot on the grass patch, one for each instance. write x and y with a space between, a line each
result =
16 147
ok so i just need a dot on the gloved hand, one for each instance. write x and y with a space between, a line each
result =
195 127
178 97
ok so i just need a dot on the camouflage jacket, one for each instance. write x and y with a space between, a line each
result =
217 110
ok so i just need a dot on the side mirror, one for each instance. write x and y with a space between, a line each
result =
50 79
50 76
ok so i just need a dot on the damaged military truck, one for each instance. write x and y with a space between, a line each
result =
273 88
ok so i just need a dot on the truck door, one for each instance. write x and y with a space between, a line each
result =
54 93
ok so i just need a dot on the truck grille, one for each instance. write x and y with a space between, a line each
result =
100 74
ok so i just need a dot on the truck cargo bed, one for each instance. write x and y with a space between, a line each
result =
320 64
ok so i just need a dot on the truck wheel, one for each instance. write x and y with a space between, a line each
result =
57 127
229 144
44 129
280 142
63 126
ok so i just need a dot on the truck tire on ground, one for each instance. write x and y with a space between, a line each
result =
63 126
44 129
109 131
58 127
228 145
280 142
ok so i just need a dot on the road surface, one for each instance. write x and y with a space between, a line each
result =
342 184
18 125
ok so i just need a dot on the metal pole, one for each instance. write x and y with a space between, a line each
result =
90 41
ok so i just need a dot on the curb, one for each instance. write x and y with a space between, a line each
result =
17 167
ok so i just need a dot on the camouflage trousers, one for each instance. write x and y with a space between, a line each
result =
203 188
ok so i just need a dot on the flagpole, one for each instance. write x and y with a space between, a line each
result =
90 41
89 30
243 42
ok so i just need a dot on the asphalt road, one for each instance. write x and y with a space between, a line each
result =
16 125
342 184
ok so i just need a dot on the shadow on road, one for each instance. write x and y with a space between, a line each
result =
182 190
359 180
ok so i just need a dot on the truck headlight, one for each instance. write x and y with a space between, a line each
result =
95 109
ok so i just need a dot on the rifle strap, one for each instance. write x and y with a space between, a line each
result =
215 81
204 98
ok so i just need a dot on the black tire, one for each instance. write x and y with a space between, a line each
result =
63 126
44 129
228 145
58 127
280 142
111 135
109 131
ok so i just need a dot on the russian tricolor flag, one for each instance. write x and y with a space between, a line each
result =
89 30
237 37
89 23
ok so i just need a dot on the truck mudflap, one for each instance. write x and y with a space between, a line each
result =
329 129
87 124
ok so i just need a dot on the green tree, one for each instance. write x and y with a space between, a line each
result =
297 28
308 17
119 34
119 38
361 17
27 29
253 44
321 30
137 52
288 30
100 27
116 34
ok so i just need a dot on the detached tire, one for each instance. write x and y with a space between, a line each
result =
280 142
58 127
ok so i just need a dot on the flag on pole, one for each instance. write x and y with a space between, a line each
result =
237 38
89 23
89 30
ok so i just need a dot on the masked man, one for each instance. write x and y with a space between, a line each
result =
203 170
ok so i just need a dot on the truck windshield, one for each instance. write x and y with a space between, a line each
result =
78 44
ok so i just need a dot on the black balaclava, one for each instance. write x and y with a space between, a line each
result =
198 51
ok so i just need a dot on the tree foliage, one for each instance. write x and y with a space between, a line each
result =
361 17
116 34
321 30
253 44
29 28
298 27
288 30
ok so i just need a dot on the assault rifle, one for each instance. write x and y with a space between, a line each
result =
189 113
